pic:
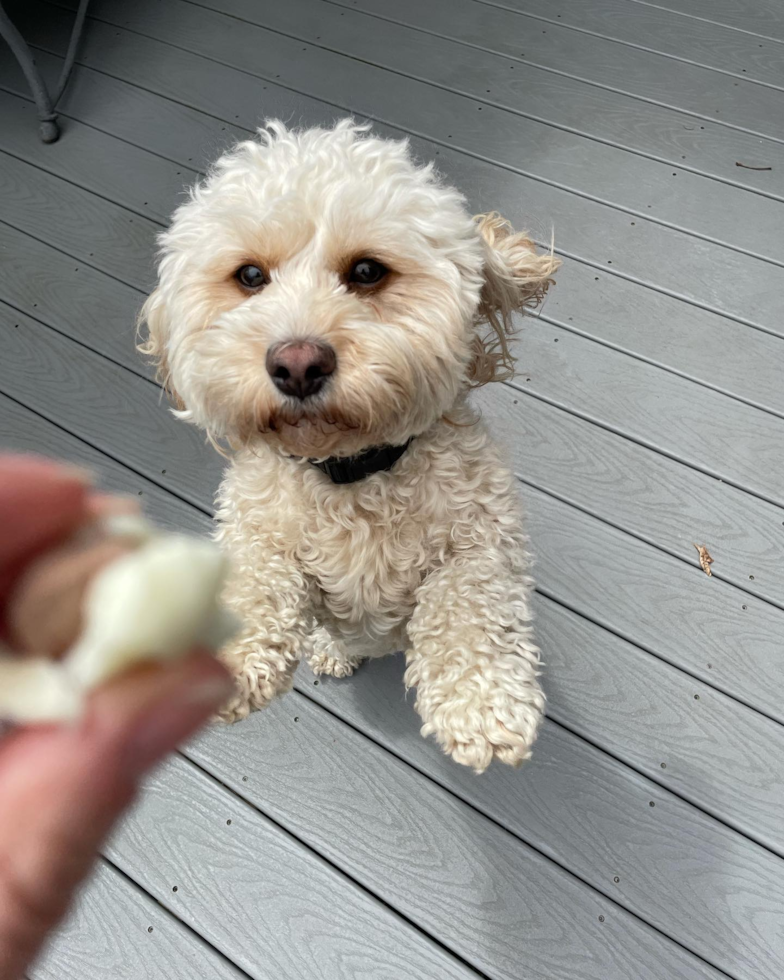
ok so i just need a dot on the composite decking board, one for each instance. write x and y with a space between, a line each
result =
116 411
104 235
303 788
762 17
569 786
313 924
743 221
615 119
694 350
699 42
117 931
593 569
122 176
591 60
697 270
274 907
71 297
646 494
22 430
496 36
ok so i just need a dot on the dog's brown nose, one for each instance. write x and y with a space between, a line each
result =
301 369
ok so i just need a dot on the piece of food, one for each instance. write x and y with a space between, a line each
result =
705 559
155 602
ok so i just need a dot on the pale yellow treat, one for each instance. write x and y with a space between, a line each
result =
156 602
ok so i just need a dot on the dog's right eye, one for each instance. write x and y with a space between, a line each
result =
251 277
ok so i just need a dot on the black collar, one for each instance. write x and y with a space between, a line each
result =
350 469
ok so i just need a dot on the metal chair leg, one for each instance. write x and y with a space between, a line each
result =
45 103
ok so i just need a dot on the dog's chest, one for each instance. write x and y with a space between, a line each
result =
368 553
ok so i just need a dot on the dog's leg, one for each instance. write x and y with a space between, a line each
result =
330 655
474 662
270 594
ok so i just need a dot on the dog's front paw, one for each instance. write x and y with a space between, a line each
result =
322 663
331 657
258 678
490 724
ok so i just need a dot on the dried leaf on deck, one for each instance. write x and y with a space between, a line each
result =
705 559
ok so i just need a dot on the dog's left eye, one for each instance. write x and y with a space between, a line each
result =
367 272
251 277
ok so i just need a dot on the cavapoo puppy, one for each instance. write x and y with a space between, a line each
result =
324 307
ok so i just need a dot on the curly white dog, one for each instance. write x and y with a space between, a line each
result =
324 306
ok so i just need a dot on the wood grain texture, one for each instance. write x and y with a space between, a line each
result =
729 440
573 803
700 271
659 603
601 61
658 331
300 765
118 931
23 431
261 898
656 29
99 232
563 158
116 411
499 903
610 117
669 718
763 17
71 297
122 176
647 494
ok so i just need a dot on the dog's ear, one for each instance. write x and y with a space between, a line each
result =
516 278
151 330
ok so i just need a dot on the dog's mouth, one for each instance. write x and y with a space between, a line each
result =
307 421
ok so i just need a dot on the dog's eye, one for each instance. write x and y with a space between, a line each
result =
251 277
367 272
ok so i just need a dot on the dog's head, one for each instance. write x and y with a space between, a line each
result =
321 291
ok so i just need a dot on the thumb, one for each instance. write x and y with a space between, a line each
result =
62 789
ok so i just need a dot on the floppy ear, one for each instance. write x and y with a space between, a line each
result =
151 331
516 278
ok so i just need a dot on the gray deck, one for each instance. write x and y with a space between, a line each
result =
324 839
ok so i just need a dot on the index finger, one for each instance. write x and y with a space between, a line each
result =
40 502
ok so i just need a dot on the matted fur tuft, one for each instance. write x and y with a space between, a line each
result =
517 278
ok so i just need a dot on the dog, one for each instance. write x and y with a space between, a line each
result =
324 307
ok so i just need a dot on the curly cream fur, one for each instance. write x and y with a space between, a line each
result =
430 555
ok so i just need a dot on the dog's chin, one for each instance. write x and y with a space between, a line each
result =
315 434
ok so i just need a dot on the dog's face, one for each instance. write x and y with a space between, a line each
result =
322 292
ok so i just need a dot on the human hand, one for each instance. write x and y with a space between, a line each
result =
63 787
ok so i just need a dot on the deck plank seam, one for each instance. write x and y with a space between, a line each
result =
531 64
707 20
558 24
432 84
769 195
